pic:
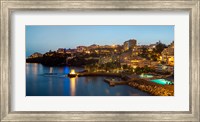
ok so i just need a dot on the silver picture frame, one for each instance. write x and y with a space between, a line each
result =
9 6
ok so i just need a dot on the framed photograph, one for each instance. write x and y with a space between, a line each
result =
83 68
99 60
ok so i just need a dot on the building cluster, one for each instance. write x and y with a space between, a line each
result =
130 44
101 49
98 49
92 49
127 54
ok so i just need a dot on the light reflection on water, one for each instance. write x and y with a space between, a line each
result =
73 86
40 84
51 70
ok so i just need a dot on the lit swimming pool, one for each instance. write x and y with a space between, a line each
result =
162 81
146 76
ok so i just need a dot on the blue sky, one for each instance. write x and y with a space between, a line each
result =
44 38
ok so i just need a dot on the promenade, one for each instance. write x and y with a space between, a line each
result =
136 82
98 74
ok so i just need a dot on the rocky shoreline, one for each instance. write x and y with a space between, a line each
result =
145 85
139 83
152 88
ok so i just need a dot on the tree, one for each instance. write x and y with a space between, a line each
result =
144 50
160 47
125 66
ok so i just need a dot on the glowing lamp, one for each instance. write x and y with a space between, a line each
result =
72 72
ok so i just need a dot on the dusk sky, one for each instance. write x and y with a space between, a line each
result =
44 38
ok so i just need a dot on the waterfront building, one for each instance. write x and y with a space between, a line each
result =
161 68
130 44
142 62
126 45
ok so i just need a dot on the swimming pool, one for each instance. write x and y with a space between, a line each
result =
162 81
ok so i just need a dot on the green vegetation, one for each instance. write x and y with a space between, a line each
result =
59 59
160 47
153 55
146 69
